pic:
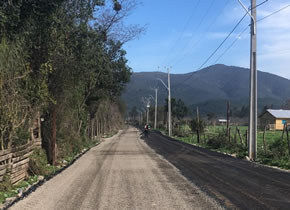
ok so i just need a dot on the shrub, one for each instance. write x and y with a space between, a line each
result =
38 163
183 131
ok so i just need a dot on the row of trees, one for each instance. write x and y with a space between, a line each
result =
64 59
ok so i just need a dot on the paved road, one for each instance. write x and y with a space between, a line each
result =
237 184
121 173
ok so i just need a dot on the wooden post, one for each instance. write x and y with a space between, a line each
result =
229 134
235 137
246 138
239 133
198 128
284 128
264 142
288 143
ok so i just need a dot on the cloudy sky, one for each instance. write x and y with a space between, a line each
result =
183 34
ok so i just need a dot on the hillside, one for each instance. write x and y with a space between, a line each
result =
209 88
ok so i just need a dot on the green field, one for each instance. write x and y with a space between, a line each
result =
275 153
270 136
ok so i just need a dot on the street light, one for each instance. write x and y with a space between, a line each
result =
169 101
148 106
252 146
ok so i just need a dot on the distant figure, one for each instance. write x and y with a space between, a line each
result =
146 130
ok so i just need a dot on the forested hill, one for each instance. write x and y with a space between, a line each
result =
210 88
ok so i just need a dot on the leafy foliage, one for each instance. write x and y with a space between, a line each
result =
60 58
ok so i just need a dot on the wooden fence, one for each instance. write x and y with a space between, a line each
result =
15 162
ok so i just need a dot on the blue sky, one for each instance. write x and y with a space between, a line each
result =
183 34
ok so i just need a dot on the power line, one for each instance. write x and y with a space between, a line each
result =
199 24
213 53
238 37
231 45
185 26
274 13
201 37
279 52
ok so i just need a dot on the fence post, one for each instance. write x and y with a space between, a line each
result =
241 139
264 142
229 133
284 128
246 138
288 143
198 126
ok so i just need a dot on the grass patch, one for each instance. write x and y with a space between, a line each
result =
8 190
214 138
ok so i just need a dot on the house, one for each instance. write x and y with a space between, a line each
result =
274 119
222 121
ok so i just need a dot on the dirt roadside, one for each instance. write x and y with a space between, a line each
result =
121 173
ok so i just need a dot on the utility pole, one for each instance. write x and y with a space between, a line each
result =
169 105
252 147
169 102
253 86
155 120
228 117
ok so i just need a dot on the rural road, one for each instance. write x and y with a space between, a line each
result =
235 183
121 173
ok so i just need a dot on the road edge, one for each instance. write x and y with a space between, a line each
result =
223 153
39 183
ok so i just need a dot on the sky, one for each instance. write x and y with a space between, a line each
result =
183 34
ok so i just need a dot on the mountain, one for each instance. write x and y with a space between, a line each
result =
209 88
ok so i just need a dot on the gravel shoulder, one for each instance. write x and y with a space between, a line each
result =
121 173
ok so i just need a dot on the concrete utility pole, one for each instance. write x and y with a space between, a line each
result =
252 136
155 120
169 105
169 102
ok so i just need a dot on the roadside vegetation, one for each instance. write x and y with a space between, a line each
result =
63 60
273 146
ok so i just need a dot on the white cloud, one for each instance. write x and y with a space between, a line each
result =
273 37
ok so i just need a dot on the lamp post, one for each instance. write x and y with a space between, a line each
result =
169 101
148 107
252 146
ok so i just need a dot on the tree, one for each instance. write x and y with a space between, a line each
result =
65 60
178 108
181 109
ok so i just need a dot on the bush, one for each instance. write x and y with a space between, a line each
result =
183 131
38 163
218 141
279 148
194 125
221 142
278 154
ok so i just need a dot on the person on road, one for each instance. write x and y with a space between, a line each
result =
146 130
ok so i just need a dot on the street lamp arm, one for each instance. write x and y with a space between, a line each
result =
150 96
247 10
162 83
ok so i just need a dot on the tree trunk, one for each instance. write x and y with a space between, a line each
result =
53 136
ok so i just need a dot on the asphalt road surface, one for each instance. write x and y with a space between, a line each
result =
235 183
122 173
